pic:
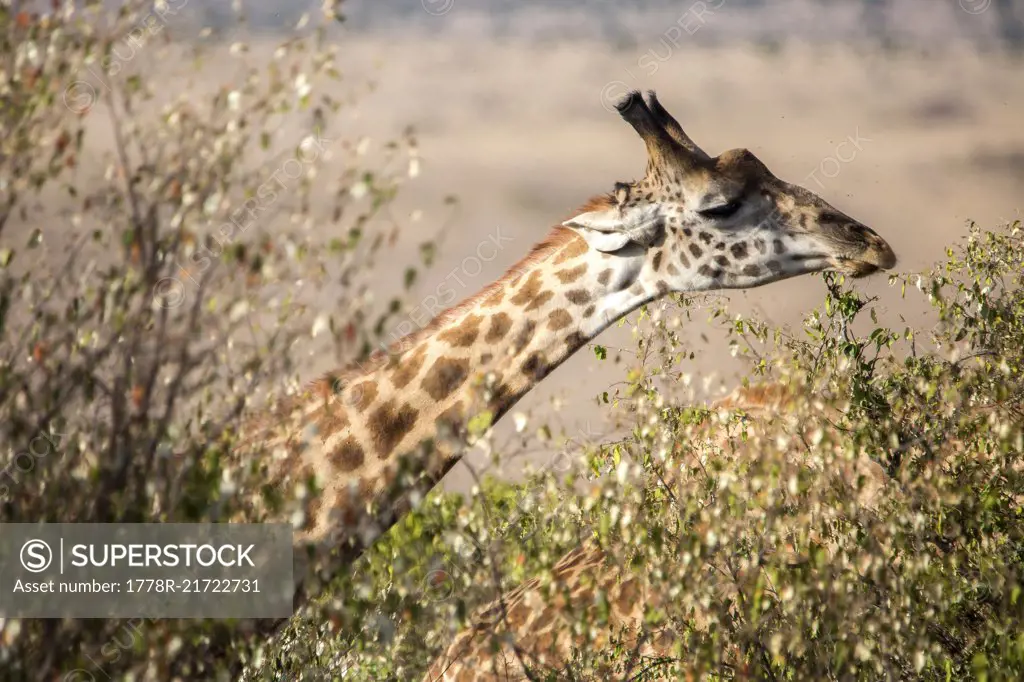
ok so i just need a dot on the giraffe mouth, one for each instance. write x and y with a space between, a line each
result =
856 268
853 267
872 256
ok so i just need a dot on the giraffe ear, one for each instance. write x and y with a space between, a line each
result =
611 229
605 242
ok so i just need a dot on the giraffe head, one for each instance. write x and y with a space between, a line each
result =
726 222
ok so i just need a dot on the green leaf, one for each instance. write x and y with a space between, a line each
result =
480 423
428 251
601 352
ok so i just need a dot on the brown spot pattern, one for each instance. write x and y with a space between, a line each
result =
751 270
778 246
739 250
571 275
330 418
368 486
389 424
363 394
409 368
559 319
295 447
589 311
722 260
542 298
314 503
524 335
695 250
346 509
576 247
578 296
535 366
528 291
463 335
656 263
575 340
500 324
444 376
708 271
604 276
348 456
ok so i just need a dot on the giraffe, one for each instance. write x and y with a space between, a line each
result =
532 626
376 437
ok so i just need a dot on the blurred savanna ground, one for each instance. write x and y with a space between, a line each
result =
436 143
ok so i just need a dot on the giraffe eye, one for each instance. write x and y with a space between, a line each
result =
721 211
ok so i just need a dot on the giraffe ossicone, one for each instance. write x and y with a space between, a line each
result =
374 436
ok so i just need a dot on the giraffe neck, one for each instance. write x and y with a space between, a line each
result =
376 437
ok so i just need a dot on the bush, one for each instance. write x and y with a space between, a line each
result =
856 513
154 288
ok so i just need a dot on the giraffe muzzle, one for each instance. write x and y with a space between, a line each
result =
878 255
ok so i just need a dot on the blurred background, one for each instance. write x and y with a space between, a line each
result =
906 114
